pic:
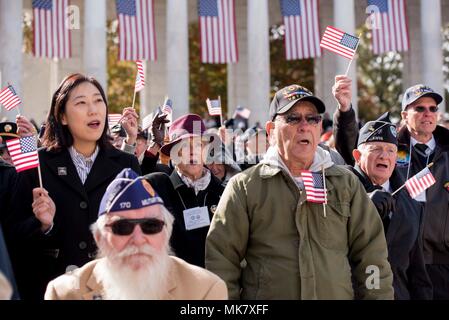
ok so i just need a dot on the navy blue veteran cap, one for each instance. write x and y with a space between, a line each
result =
380 130
128 191
286 98
418 91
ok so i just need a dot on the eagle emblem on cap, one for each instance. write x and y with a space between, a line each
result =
8 128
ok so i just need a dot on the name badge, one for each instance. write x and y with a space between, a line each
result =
195 218
62 171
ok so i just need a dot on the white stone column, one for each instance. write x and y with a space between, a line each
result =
344 19
95 53
11 38
238 72
258 61
177 52
324 67
432 55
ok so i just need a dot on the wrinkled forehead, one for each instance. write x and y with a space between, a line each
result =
369 146
303 107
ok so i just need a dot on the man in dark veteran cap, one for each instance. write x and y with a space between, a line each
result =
132 233
402 216
421 142
8 131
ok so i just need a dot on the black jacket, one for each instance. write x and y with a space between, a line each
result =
346 132
188 245
404 240
403 231
38 258
8 178
436 207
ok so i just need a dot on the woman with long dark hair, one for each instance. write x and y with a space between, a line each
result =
48 228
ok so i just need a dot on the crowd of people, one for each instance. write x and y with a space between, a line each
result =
188 212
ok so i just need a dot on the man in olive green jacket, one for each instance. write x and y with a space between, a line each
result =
267 240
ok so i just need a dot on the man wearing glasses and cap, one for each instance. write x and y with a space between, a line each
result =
422 142
293 247
375 161
132 233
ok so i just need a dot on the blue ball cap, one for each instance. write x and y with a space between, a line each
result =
128 191
417 91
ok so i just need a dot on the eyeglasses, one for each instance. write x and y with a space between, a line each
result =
294 119
124 227
421 109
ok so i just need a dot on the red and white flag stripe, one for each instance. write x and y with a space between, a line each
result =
52 37
390 30
140 78
23 160
302 34
137 35
218 35
420 182
9 99
331 40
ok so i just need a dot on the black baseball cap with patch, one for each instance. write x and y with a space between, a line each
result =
286 98
379 130
418 91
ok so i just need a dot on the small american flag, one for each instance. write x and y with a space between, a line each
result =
23 152
242 112
51 32
302 34
140 78
9 98
214 107
217 31
419 182
167 108
390 30
340 42
137 35
113 119
314 185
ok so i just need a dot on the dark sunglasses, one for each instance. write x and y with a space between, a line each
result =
294 119
124 227
421 109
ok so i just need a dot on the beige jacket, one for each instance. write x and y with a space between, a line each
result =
186 282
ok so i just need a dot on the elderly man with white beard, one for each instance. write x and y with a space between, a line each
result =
132 233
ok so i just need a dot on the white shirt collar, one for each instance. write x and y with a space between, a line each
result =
386 186
431 143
